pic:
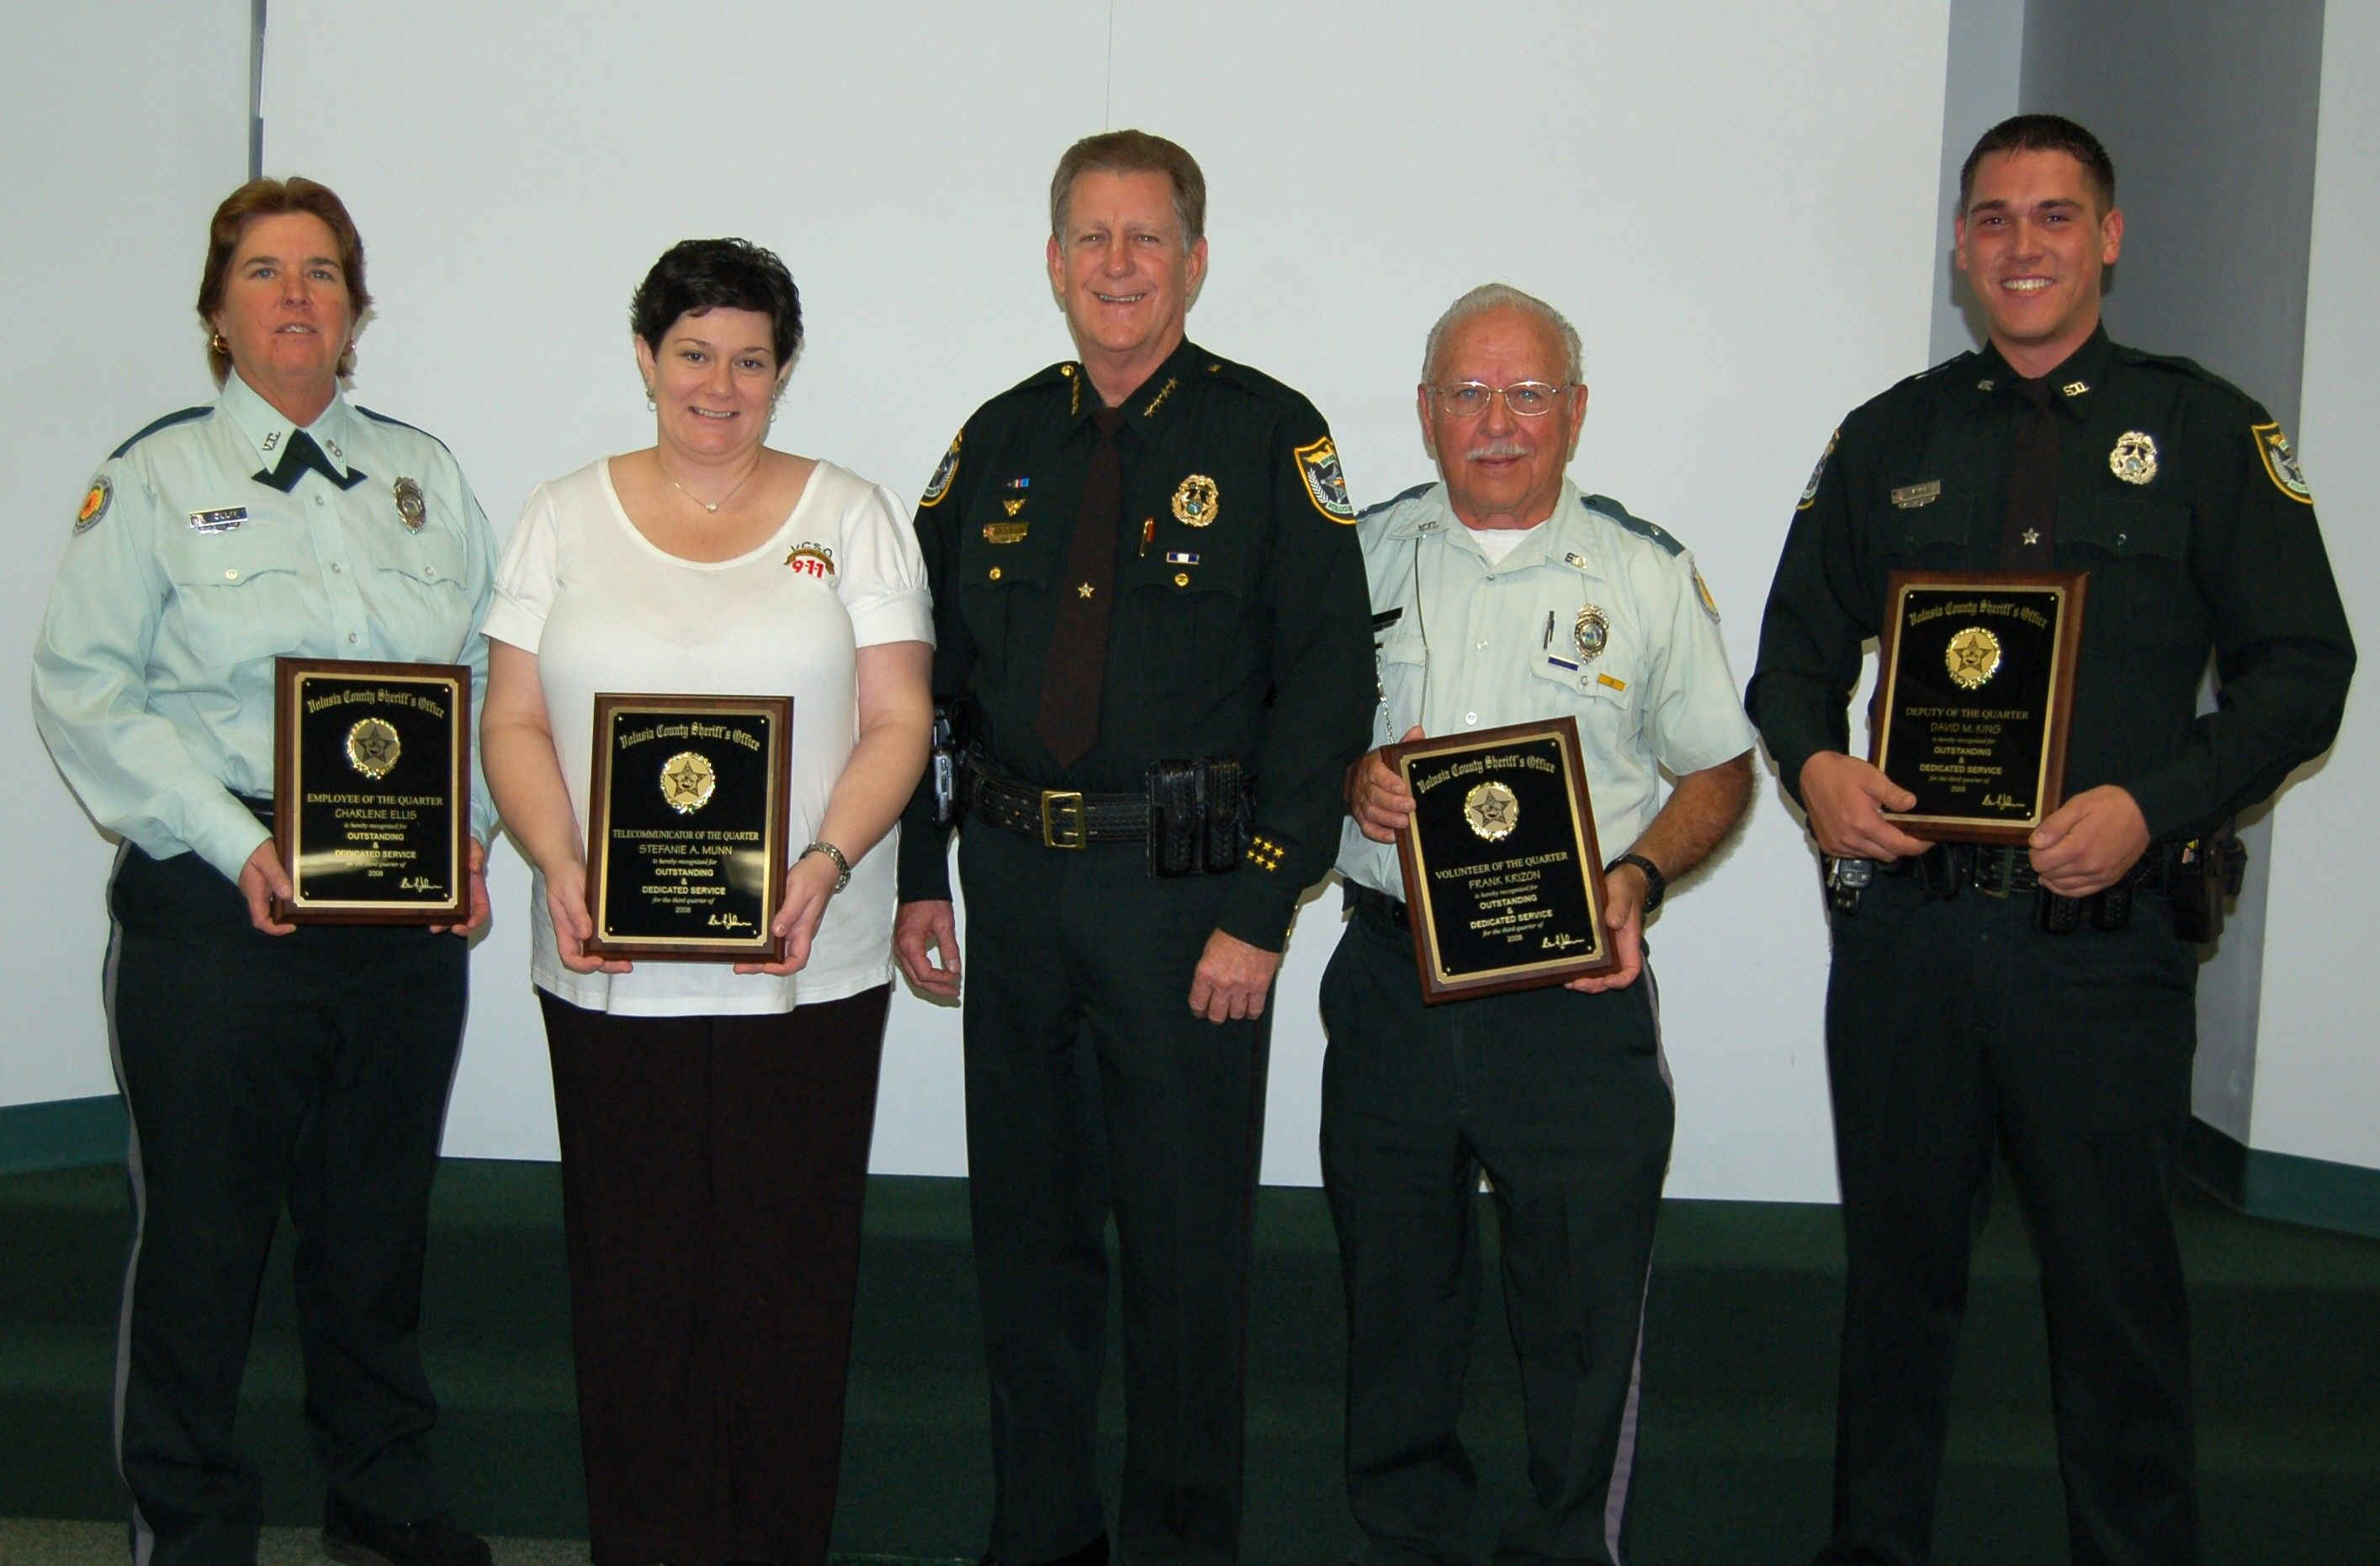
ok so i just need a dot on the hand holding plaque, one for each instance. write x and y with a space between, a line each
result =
1975 698
687 804
1503 878
371 790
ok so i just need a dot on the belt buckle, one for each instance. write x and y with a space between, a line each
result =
1063 824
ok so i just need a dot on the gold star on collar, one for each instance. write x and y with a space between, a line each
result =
1085 590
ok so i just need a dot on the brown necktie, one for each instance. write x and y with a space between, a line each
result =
1069 719
2028 531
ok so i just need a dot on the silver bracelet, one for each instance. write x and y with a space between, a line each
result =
820 845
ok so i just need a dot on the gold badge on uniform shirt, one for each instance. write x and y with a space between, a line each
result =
1196 501
1492 810
410 508
372 747
1591 631
2134 460
1974 657
688 780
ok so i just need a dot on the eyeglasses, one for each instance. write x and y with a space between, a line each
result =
1523 400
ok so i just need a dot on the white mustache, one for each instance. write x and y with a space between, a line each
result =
1497 448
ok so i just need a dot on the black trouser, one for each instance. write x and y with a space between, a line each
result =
713 1169
1954 1024
312 1069
1091 1090
1564 1101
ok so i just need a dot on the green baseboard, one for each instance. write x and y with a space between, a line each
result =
62 1134
2314 1192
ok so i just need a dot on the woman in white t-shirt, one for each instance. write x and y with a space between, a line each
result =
714 1120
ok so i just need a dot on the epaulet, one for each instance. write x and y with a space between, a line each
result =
401 424
184 417
1931 370
1604 505
1255 381
2178 365
1048 375
1392 500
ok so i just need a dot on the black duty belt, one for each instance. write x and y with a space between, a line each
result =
1999 870
1377 906
1059 817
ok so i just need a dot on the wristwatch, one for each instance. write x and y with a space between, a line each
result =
1657 885
819 845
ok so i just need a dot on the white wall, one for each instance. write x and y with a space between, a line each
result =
125 123
1736 204
2317 1072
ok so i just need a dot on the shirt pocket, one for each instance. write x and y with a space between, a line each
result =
1003 593
2138 556
1936 536
423 604
238 596
1600 698
1182 623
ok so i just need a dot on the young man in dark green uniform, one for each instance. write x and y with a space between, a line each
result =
1955 1017
1150 607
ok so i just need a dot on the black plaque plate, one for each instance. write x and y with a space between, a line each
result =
372 791
1503 877
1975 698
685 830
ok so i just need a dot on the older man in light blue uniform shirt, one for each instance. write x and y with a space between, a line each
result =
1503 595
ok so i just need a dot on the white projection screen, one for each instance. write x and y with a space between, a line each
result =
1735 202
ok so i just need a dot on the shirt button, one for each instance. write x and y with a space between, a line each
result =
995 572
430 572
336 568
231 575
1482 647
1471 716
320 501
351 638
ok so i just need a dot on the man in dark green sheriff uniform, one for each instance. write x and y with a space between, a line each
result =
1150 606
2035 996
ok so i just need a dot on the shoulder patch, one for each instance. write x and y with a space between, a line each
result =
94 503
2281 463
182 416
401 424
1379 506
1317 464
1604 505
1810 490
940 484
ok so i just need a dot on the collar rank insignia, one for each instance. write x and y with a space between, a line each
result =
411 509
1326 487
2074 388
2134 458
812 560
944 471
1810 490
94 503
2281 463
1196 501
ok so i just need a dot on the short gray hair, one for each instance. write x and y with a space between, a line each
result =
1503 295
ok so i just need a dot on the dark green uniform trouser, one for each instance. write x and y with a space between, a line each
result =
1564 1101
1954 1024
310 1069
1091 1089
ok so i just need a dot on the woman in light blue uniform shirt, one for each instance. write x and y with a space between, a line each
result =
262 1063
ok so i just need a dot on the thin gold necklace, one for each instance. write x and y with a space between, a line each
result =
711 506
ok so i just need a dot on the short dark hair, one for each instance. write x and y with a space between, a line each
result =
695 276
273 198
1133 152
2043 133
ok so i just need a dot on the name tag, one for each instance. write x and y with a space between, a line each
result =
222 521
1908 497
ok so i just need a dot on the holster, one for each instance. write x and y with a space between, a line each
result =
947 764
1200 814
2201 875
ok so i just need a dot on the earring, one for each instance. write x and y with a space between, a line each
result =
217 344
650 406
